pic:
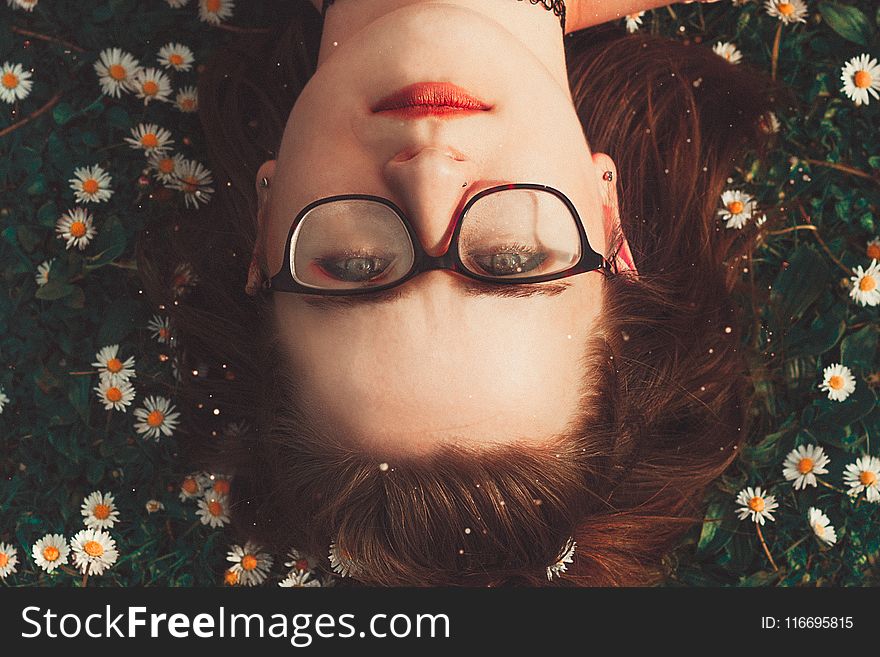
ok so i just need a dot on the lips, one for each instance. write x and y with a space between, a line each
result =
431 99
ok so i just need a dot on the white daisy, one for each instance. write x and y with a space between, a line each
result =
94 551
150 138
184 279
728 51
156 418
872 248
341 561
43 269
111 367
176 56
249 563
3 399
219 484
194 181
165 167
864 284
99 511
77 228
193 485
864 475
821 526
27 5
151 84
91 184
299 579
567 556
116 70
770 123
298 561
152 506
160 328
115 394
50 552
187 99
8 560
213 510
633 21
214 11
803 464
838 381
177 4
738 208
788 11
861 77
757 503
15 82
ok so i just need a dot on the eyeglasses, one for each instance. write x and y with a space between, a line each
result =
508 234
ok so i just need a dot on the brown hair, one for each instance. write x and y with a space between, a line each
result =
669 394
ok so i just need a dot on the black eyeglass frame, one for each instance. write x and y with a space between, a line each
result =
590 259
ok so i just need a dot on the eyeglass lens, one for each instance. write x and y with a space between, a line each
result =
362 243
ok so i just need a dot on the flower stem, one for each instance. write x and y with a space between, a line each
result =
775 56
827 485
30 117
766 550
85 580
822 242
46 37
844 168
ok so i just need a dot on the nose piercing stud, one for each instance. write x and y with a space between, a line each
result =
264 182
608 175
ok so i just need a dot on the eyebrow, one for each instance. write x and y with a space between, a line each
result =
471 288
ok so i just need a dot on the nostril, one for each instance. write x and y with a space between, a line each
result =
410 153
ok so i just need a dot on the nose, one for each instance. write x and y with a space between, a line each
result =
430 181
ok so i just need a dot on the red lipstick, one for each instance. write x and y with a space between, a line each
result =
431 99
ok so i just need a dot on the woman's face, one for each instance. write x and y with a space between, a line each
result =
444 359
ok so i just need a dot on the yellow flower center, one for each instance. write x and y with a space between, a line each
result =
221 487
190 486
4 559
190 184
117 72
155 418
867 283
150 88
51 553
114 365
805 465
819 529
230 578
166 165
867 478
10 80
835 382
785 8
114 394
164 333
187 103
756 504
215 508
78 229
150 140
249 562
90 186
862 79
93 548
101 511
873 251
736 207
213 5
176 59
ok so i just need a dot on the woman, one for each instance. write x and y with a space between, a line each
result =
417 403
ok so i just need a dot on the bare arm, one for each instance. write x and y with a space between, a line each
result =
580 14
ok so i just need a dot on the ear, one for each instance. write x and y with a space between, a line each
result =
611 209
257 269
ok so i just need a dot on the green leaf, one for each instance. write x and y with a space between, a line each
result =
858 349
798 285
874 161
62 113
78 394
109 245
118 117
119 320
55 289
35 184
849 22
821 336
48 214
834 415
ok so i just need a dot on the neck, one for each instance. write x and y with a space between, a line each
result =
537 28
